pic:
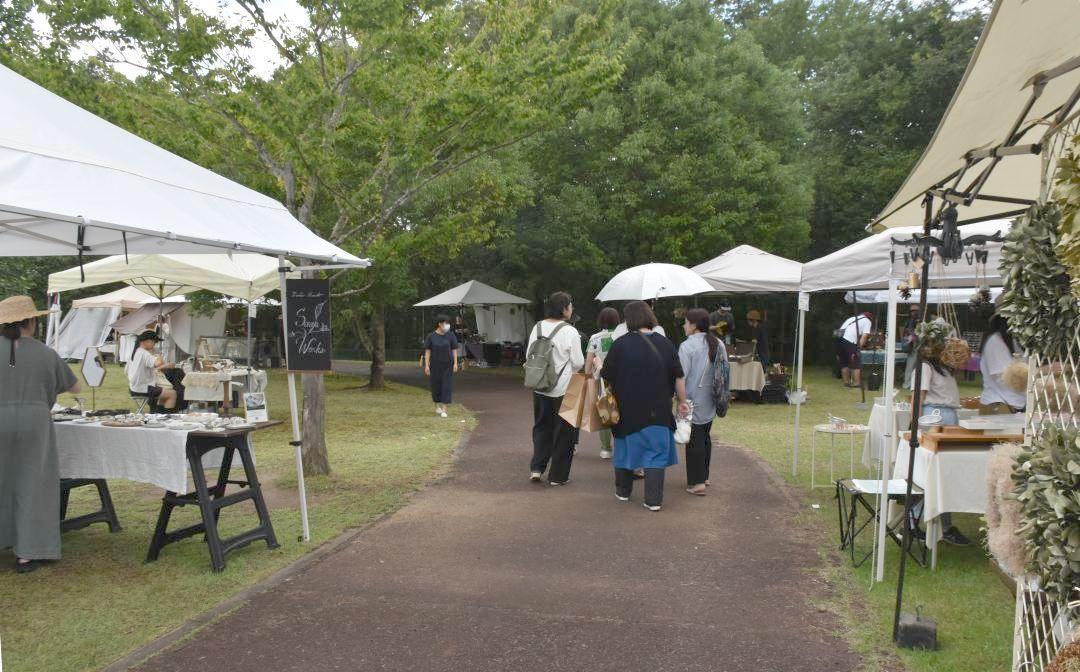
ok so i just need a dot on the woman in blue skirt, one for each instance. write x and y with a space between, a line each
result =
441 362
644 371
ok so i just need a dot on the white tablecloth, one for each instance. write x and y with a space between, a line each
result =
747 376
954 481
878 428
154 456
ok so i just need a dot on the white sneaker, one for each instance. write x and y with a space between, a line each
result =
605 454
536 477
651 508
442 414
621 498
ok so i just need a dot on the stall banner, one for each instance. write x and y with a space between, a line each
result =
307 321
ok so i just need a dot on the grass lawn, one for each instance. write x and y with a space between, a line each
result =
101 602
973 608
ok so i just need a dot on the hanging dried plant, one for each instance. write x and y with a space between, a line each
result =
1067 195
1047 483
1037 300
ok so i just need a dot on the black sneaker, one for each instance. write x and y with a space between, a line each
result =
953 536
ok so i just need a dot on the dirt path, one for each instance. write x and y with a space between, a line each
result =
486 571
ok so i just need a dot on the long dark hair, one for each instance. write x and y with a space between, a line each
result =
13 331
699 317
937 365
998 325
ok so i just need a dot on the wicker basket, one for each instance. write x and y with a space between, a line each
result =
956 353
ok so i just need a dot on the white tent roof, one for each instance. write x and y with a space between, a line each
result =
472 293
870 263
245 276
1022 38
125 298
63 170
934 296
747 269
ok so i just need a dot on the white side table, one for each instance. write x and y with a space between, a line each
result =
850 431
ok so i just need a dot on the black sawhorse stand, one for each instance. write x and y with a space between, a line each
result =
106 514
211 500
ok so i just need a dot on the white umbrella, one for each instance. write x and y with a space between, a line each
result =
653 281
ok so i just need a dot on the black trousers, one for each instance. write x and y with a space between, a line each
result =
654 485
698 454
553 439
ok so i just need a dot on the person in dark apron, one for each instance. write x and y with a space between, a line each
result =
441 362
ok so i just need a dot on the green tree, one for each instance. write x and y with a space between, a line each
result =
697 149
371 103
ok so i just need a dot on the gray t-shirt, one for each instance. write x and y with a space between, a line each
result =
694 357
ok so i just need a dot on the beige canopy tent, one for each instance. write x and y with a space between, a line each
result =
125 298
1021 86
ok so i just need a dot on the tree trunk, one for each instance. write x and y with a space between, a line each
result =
315 458
378 349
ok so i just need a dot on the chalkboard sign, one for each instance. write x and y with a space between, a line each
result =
307 323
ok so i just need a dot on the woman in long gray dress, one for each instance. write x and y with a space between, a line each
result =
30 380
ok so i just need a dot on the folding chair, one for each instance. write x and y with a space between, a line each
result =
857 496
141 399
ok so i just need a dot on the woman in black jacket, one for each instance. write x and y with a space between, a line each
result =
644 371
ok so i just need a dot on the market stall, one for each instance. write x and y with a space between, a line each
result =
993 155
883 261
73 184
747 270
502 321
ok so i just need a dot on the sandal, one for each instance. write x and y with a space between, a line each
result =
698 490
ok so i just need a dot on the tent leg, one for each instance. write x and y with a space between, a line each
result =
799 393
890 439
296 443
52 328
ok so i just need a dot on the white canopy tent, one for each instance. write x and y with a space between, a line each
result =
1019 89
746 269
84 328
245 276
72 183
499 315
936 296
877 263
472 293
125 298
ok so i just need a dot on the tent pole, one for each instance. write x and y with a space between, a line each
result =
296 444
51 327
803 306
889 440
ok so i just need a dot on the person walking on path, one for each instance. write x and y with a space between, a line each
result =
599 345
645 372
30 380
697 355
441 362
554 354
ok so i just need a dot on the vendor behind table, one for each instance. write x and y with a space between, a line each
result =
146 372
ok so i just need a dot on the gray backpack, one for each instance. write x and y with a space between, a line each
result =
540 373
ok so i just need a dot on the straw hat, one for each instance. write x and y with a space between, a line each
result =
18 308
754 315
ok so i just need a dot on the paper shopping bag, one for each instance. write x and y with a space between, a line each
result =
573 403
590 417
